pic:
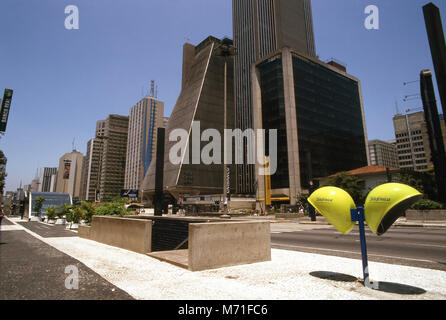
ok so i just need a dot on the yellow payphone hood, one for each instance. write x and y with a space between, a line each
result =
335 205
386 203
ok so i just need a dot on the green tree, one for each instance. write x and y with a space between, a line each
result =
88 210
350 183
64 211
116 208
3 174
423 181
38 203
51 213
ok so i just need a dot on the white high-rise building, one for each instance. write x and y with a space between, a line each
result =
47 180
144 119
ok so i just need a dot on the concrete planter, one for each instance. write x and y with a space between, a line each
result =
426 215
84 232
72 225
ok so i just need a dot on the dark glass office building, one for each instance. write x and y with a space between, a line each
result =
317 109
260 28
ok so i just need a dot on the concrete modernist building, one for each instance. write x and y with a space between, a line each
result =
412 141
113 157
261 27
165 122
383 154
47 180
145 117
201 100
69 174
318 112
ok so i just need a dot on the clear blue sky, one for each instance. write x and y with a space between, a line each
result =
66 80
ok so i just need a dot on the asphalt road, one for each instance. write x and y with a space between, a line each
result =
418 247
32 270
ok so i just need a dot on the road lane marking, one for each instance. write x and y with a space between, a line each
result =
353 252
11 228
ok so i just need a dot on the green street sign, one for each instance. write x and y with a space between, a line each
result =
4 112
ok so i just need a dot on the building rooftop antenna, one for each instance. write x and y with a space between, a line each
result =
396 107
152 88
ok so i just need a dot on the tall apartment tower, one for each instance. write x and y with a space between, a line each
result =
383 154
412 141
262 27
47 180
92 169
91 172
145 117
69 174
113 157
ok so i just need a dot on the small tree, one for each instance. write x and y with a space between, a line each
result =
77 214
350 183
64 211
116 208
51 213
38 203
88 210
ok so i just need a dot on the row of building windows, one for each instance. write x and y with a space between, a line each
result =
406 134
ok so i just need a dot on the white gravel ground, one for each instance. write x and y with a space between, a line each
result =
286 277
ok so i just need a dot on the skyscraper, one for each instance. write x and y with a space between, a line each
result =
47 180
69 174
383 154
113 157
412 141
261 27
145 117
317 110
92 169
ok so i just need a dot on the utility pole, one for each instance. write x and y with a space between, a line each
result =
435 135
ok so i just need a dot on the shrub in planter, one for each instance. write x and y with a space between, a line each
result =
77 214
426 204
64 210
88 210
51 213
112 209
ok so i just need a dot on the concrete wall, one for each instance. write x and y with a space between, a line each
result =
215 245
130 234
426 215
84 232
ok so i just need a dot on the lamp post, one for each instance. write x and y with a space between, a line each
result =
225 50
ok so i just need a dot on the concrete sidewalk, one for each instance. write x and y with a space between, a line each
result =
290 275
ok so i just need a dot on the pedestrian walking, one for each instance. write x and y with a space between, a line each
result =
1 216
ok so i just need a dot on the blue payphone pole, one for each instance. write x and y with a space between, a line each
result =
358 215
